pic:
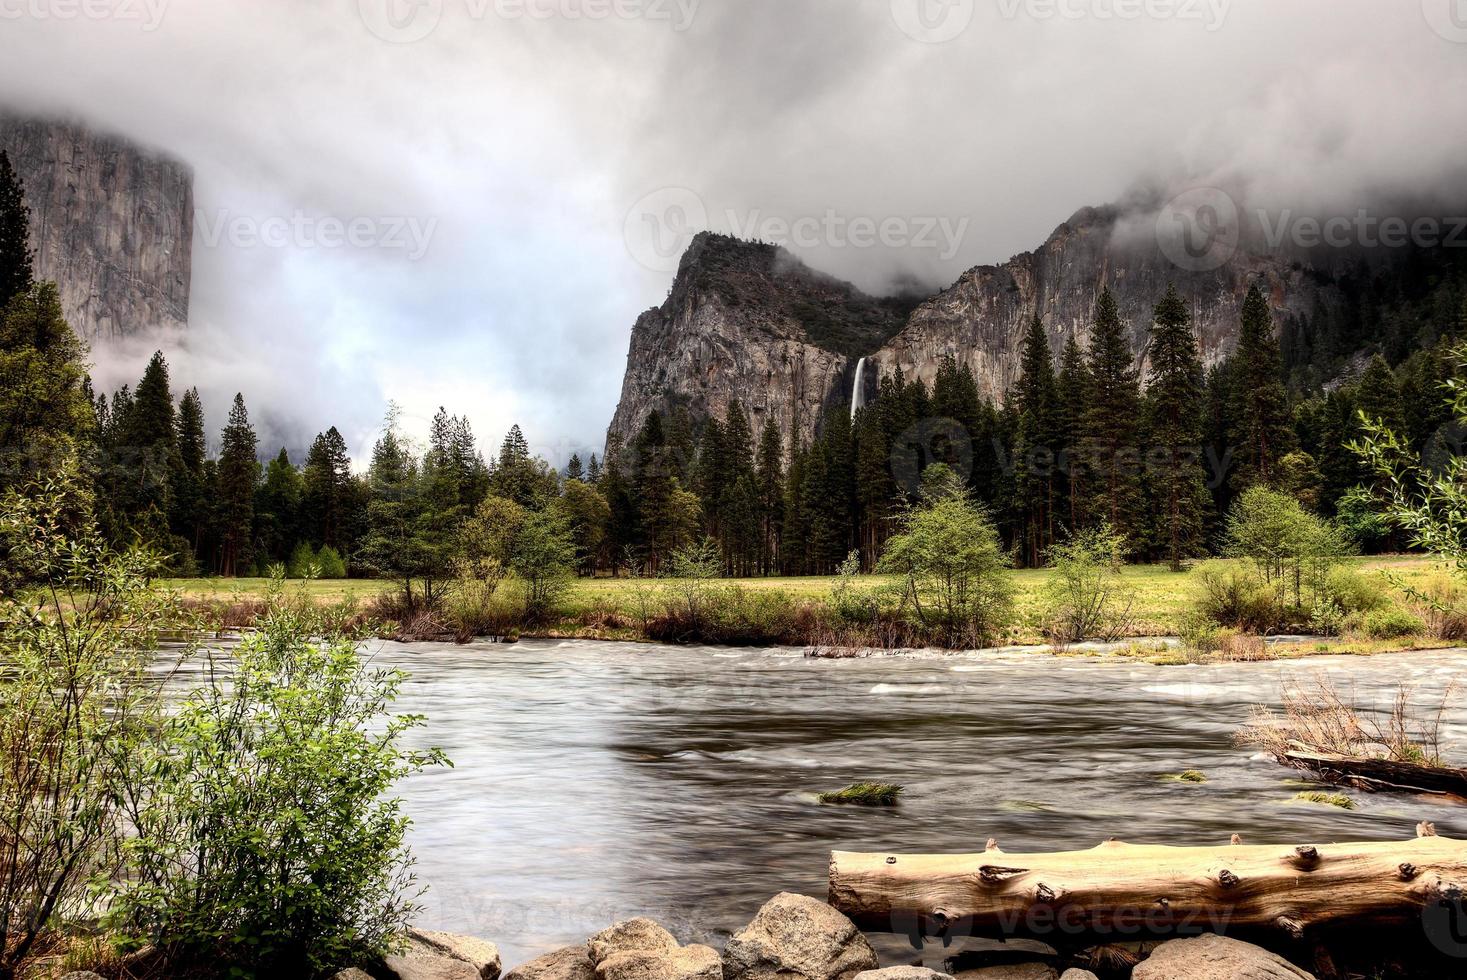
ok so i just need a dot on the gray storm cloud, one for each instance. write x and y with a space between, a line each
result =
523 132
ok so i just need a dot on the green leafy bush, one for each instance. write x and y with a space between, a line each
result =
330 563
265 841
1390 624
79 627
1086 597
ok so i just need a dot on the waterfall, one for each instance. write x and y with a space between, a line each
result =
858 395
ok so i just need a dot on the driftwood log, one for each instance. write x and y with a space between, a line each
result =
1124 889
1380 774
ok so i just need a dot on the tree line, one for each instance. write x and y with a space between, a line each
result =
1155 448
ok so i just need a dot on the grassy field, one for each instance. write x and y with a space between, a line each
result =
1161 596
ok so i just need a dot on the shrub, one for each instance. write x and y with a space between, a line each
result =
330 563
1086 597
1390 624
1441 602
264 837
1294 550
1354 592
1236 596
302 562
955 573
79 627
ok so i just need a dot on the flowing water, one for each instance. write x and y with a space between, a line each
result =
594 781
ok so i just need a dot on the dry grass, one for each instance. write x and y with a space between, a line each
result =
1320 719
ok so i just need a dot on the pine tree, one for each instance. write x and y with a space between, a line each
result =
16 270
770 482
45 411
1073 387
593 471
1111 449
1262 434
149 432
574 470
876 491
1175 400
277 508
238 473
656 495
516 474
326 500
1036 401
189 518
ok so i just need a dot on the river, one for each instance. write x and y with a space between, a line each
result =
595 781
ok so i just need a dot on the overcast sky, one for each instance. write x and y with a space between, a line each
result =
521 172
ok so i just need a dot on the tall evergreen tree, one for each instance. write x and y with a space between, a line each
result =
1036 402
1111 449
1073 388
656 495
238 473
770 481
189 507
326 500
16 272
1262 434
1175 404
149 433
44 407
575 470
277 509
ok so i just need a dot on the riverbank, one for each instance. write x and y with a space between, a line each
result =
798 612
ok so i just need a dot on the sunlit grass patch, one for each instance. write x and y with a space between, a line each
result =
864 794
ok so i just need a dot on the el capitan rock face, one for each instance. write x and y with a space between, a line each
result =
111 224
750 322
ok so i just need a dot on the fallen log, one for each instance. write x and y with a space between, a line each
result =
1125 889
1379 774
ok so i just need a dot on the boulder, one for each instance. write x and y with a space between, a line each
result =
1078 975
1014 971
443 956
1216 958
570 963
640 949
348 974
479 953
681 963
795 937
641 935
903 973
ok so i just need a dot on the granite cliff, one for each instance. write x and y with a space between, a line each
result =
111 223
750 322
738 323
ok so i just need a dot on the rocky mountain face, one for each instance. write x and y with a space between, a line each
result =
750 322
111 223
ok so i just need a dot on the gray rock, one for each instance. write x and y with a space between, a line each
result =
351 973
1013 971
570 963
1216 958
112 224
795 937
903 973
1078 975
444 956
640 935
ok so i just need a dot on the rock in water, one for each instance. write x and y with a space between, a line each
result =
642 935
479 953
795 937
1216 958
570 963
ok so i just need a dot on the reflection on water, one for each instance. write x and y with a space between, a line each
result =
601 780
